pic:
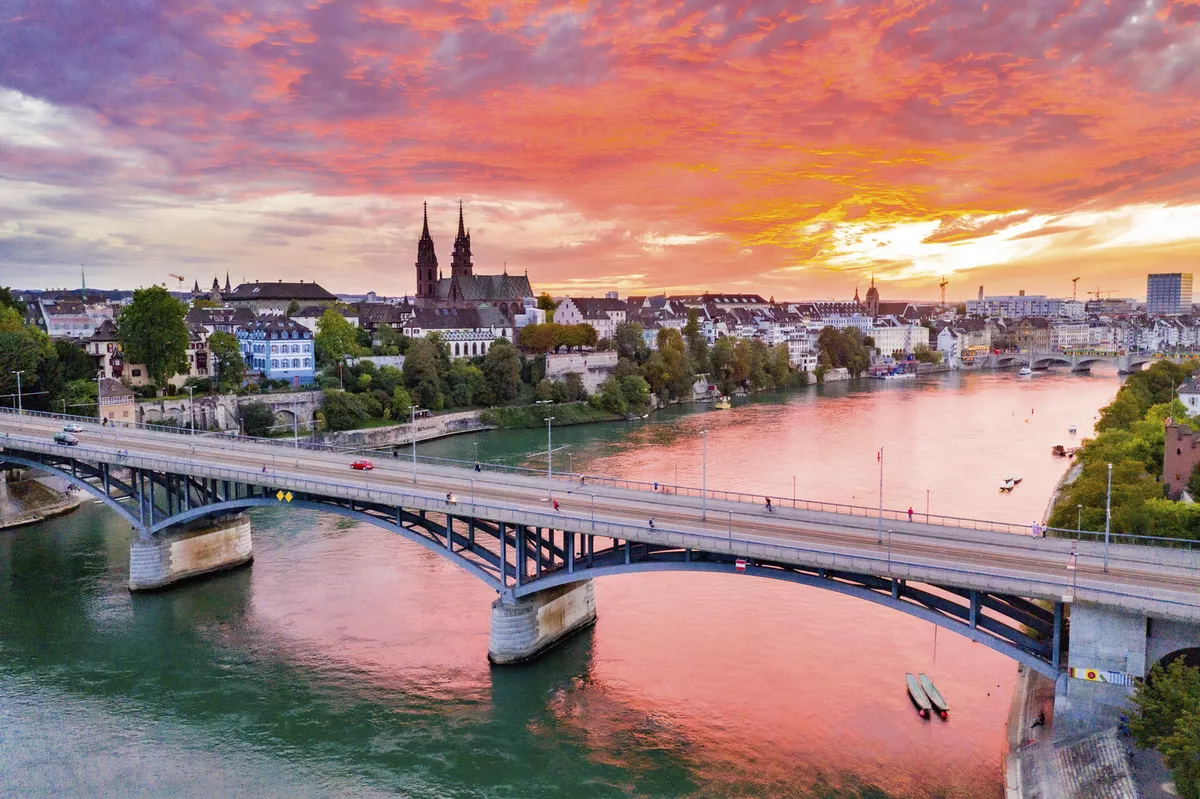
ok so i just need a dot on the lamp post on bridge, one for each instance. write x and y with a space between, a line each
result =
412 435
1107 516
1078 518
879 456
20 407
191 410
549 460
703 475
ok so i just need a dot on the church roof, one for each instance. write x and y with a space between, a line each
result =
457 318
486 288
281 291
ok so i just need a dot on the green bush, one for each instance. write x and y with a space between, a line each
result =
257 419
343 411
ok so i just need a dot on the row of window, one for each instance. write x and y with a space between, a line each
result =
282 363
284 348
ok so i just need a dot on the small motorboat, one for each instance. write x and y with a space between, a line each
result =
1016 479
1025 372
934 696
917 694
723 404
1007 484
1071 429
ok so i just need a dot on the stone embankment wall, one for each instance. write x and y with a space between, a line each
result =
29 501
224 411
394 435
592 367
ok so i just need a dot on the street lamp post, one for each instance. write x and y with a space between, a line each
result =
1107 516
704 475
20 407
880 527
99 410
1078 518
549 458
191 410
412 435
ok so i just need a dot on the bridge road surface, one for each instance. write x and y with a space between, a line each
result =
1161 582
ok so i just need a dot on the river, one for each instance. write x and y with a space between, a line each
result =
348 662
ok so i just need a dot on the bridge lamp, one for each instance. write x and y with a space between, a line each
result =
20 408
1107 516
704 475
412 434
549 457
191 410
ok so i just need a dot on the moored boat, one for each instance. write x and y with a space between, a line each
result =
1071 429
1025 372
934 696
917 694
1016 478
723 404
1007 484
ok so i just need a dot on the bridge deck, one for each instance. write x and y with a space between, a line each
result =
1159 582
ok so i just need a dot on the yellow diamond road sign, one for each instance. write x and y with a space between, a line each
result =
288 496
279 496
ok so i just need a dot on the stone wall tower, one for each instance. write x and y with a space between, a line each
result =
427 272
461 265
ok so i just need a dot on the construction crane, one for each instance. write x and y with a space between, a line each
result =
177 277
1074 288
942 286
1099 295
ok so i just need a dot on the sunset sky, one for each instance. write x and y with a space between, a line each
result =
784 147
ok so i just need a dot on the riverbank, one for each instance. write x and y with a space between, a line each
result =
30 501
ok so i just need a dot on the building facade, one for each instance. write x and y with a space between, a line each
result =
278 348
274 298
1169 294
602 313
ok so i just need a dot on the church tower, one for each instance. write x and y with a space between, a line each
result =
427 276
872 300
461 265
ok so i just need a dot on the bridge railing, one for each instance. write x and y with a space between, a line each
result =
670 489
866 560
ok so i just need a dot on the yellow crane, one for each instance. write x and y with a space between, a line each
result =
1074 288
177 277
1101 295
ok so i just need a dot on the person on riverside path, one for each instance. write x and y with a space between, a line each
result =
556 504
910 513
769 508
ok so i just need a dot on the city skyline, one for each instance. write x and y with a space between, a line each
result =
655 147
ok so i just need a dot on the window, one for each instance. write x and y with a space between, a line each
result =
274 363
295 363
295 348
137 372
307 362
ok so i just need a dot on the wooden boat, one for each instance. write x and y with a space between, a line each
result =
934 695
1059 450
1015 479
723 404
1007 484
917 694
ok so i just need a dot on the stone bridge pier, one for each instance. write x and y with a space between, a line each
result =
526 627
209 546
1110 641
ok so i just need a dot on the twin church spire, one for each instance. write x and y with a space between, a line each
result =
427 263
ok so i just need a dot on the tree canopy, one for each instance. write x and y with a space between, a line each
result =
335 338
227 361
152 332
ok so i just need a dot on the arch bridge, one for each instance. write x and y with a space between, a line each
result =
1008 591
1083 360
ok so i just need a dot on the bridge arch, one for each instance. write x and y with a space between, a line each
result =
975 634
78 482
1051 360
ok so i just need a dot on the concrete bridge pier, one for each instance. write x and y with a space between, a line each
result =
213 545
523 629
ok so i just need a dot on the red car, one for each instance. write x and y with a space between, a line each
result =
363 465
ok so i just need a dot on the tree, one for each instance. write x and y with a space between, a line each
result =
546 303
76 364
576 391
257 419
540 338
1194 482
292 308
628 340
697 343
502 368
152 332
10 320
544 391
401 404
7 300
362 337
28 349
227 360
1168 719
392 341
343 411
335 339
466 384
424 373
79 398
925 355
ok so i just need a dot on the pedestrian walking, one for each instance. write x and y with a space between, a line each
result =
556 504
910 513
652 524
655 485
477 467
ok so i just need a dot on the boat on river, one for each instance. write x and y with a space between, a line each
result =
1071 429
934 695
1007 484
917 694
1025 372
723 403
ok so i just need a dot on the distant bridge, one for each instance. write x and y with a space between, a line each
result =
988 581
1083 360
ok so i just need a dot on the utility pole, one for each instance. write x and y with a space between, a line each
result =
880 528
20 407
412 434
191 410
704 475
1107 516
99 410
549 460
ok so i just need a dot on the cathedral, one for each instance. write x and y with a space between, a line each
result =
464 288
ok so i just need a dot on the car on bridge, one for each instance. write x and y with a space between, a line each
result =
73 428
65 438
363 465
